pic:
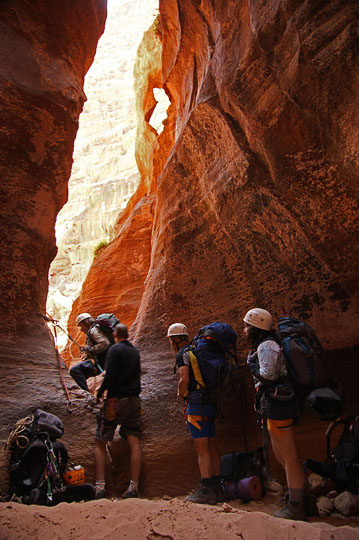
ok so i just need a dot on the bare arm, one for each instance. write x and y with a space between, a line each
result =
183 373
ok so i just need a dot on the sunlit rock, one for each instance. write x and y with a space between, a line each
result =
104 173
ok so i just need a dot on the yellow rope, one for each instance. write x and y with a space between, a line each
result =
15 435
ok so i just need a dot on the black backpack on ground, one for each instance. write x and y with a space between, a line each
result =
308 369
38 462
342 463
242 475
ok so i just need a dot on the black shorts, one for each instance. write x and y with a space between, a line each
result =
278 410
124 412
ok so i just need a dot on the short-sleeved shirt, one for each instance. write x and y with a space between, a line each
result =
183 359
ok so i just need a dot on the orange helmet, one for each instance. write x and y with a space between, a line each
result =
74 476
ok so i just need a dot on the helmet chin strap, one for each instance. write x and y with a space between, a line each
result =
177 340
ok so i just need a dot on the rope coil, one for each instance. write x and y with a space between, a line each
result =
16 434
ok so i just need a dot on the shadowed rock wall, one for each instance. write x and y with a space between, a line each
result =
45 53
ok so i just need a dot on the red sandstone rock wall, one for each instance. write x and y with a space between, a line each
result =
255 189
45 52
248 197
258 202
255 195
254 175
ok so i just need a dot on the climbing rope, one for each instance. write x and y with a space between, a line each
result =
16 434
55 325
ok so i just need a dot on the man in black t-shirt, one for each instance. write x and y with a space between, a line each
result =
121 406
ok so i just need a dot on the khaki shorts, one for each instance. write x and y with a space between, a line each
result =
124 412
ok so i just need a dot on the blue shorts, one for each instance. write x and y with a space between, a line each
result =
201 426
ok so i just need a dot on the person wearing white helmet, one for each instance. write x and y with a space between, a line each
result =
200 419
177 334
95 350
276 398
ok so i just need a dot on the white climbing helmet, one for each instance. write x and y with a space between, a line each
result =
260 318
177 329
82 317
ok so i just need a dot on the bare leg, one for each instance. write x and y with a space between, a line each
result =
286 453
135 460
207 452
100 460
204 456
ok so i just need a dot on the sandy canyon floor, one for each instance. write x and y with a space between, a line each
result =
166 519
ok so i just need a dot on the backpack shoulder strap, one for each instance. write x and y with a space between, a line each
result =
196 370
330 430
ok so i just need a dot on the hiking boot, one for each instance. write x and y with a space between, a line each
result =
293 511
100 494
219 492
310 506
203 495
130 494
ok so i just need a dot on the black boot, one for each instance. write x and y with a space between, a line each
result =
203 495
293 510
218 489
309 504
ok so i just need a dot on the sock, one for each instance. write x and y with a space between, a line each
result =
133 486
100 485
207 482
296 495
306 490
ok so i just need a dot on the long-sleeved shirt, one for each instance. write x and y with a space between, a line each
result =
269 362
96 341
123 371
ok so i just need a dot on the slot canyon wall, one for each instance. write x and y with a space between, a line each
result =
44 56
249 196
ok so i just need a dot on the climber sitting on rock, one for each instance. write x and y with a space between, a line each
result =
95 350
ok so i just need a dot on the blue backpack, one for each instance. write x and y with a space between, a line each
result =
209 354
